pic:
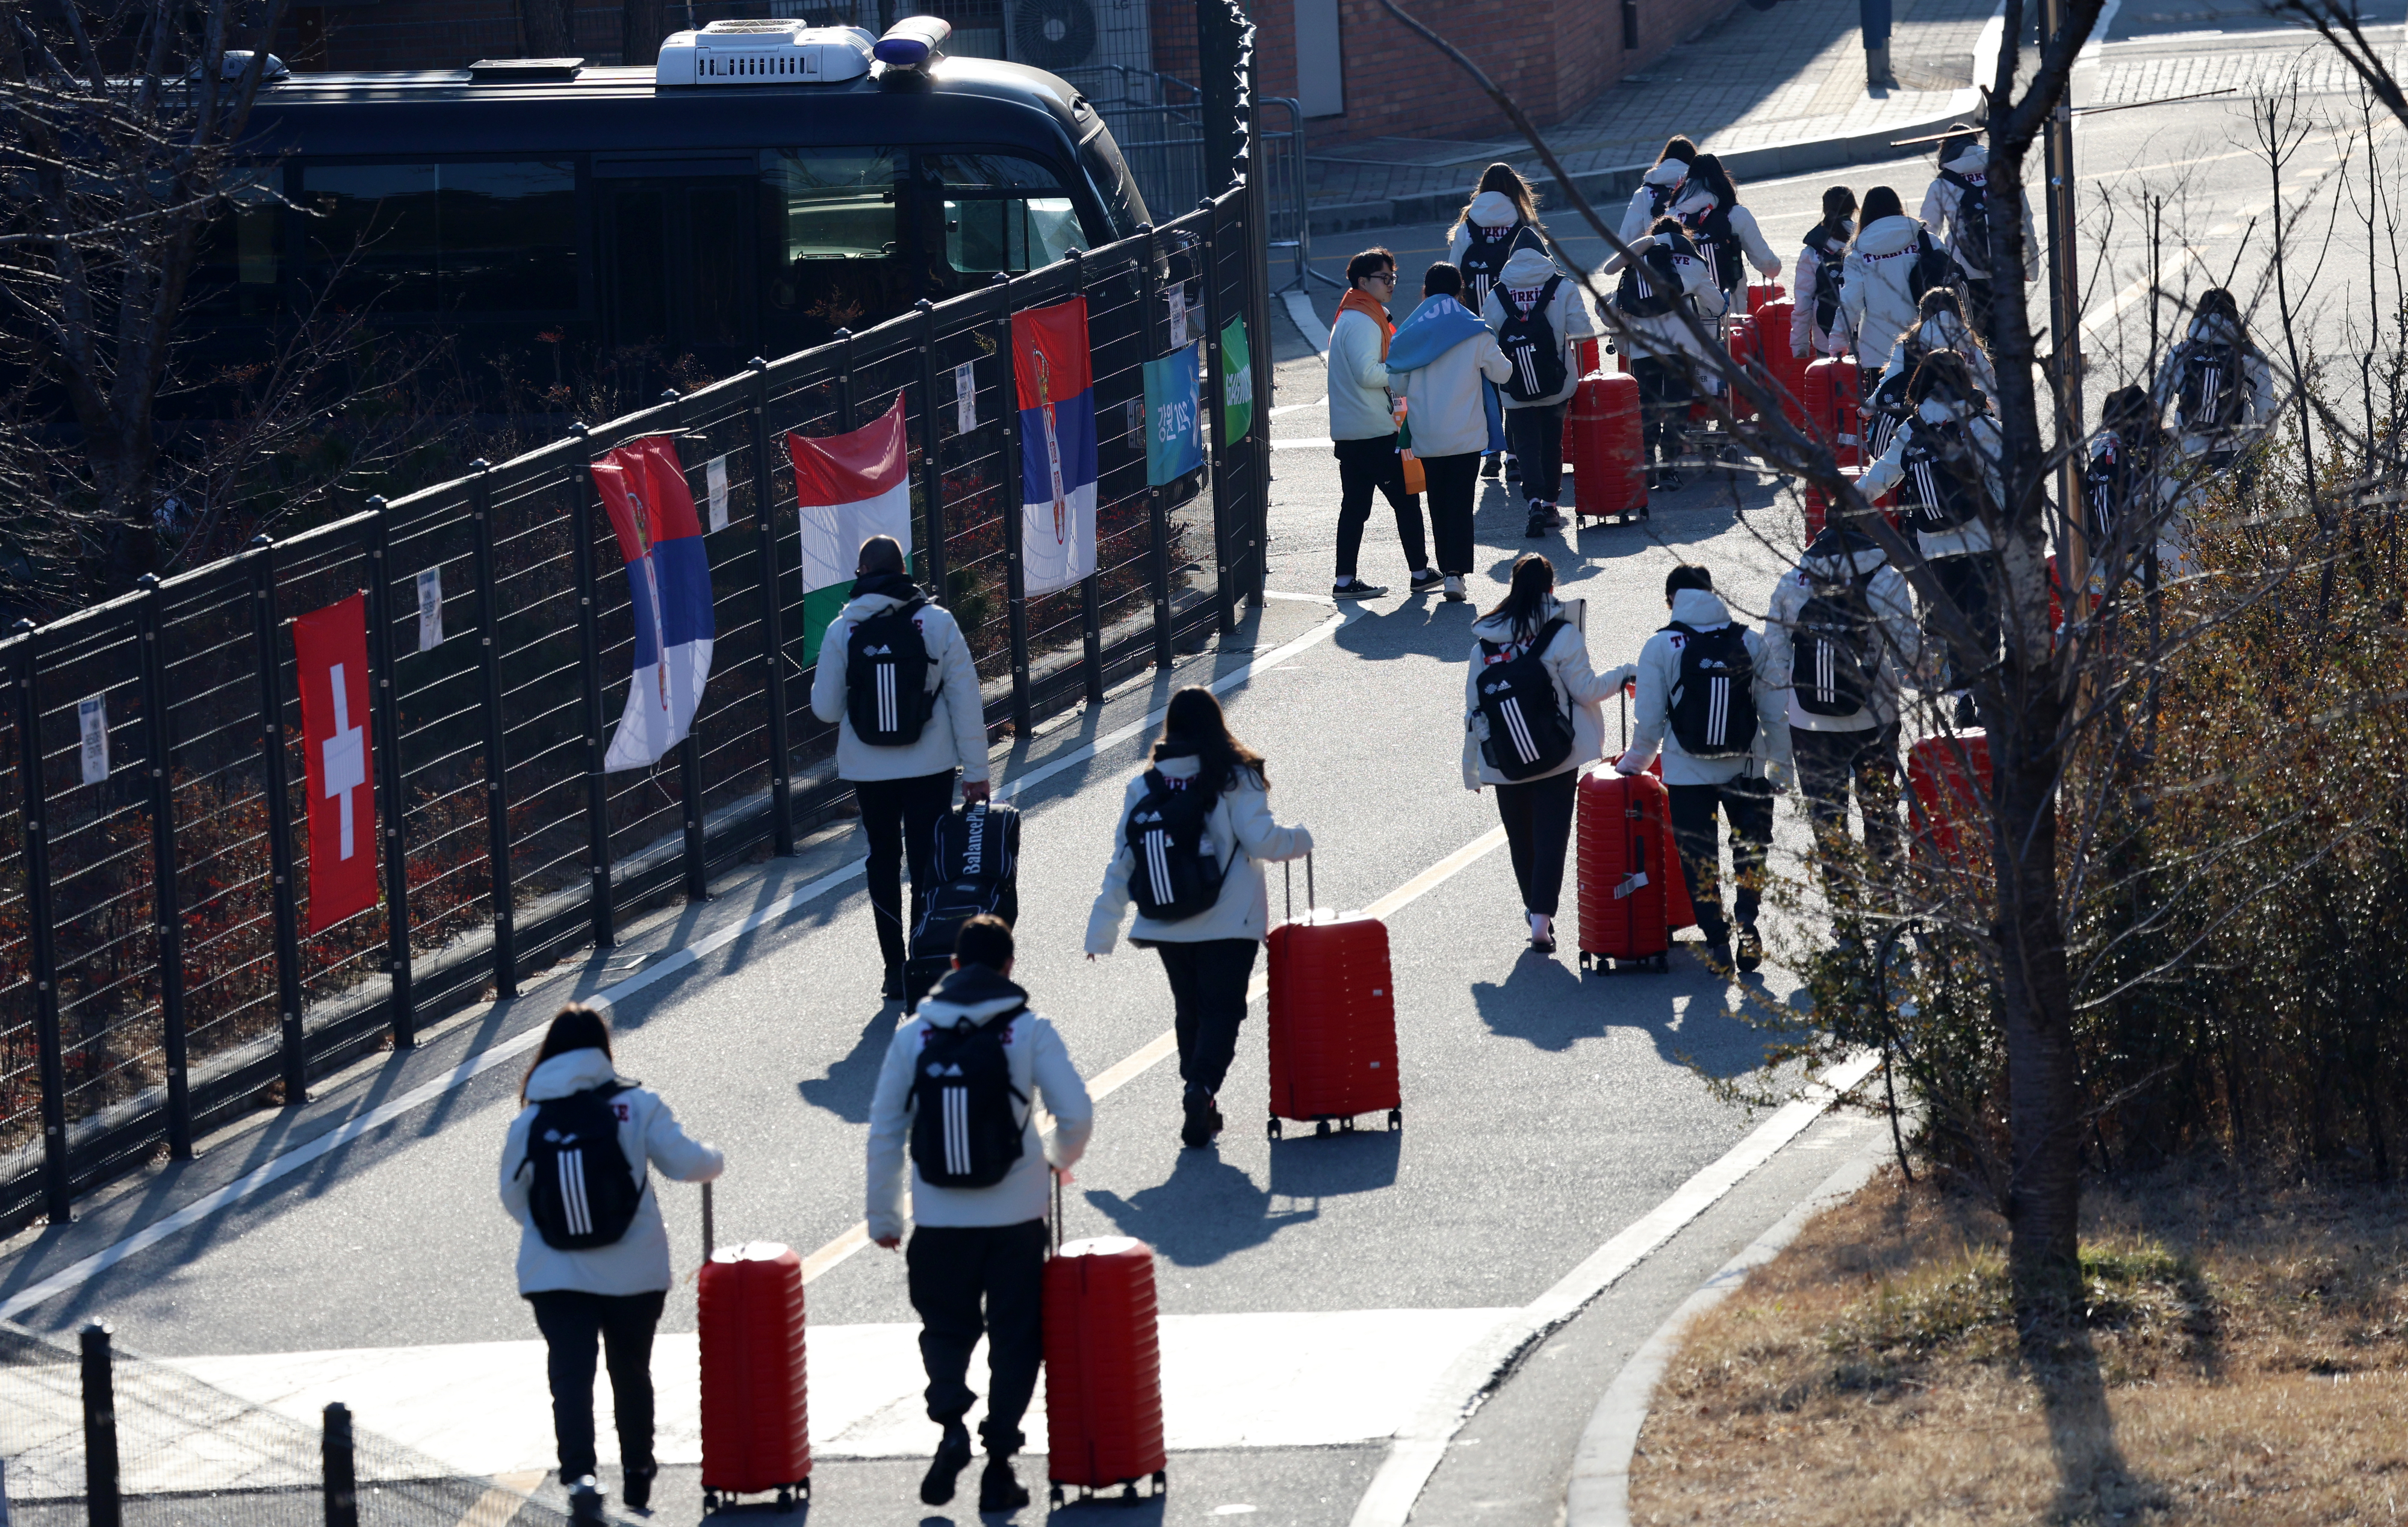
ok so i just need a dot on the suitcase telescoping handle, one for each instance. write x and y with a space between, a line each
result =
1288 877
709 1244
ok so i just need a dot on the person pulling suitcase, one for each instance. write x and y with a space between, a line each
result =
1195 831
594 1253
957 1096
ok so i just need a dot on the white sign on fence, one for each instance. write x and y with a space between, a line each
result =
430 610
1178 316
717 473
966 397
94 714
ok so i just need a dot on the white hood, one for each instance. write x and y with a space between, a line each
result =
569 1073
2209 328
1888 236
973 992
1839 553
1526 268
1941 331
1695 200
1493 209
1699 610
1973 158
1496 628
1671 172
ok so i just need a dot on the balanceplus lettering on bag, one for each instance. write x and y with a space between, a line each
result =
964 1131
581 1193
886 677
1178 871
973 867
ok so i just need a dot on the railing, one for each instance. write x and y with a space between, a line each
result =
1288 221
154 977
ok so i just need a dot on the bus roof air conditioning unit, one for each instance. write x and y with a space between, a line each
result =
766 52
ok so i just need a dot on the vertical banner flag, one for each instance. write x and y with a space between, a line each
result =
1174 437
92 721
1051 363
643 487
330 648
430 608
852 487
1236 383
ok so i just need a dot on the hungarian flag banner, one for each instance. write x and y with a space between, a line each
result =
852 487
330 648
643 487
1236 383
1051 363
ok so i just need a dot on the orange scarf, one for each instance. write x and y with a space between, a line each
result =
1360 301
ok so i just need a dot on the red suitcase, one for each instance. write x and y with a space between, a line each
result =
1948 780
1605 445
1103 1365
1832 406
1761 294
1333 1019
1789 371
1623 829
1740 341
755 1424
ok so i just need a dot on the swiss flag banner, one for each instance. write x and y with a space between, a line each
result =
331 649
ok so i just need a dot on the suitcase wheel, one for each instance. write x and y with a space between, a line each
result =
709 1502
1274 1128
1320 1129
1585 960
1057 1498
1161 1481
785 1501
1396 1118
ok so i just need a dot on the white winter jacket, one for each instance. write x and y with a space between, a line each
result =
1640 215
1878 291
1579 692
956 732
638 1261
1807 340
1245 837
1358 381
1946 331
1666 335
1040 1068
1839 556
1566 317
1489 210
2257 400
1445 409
1754 251
1659 671
1982 431
1940 203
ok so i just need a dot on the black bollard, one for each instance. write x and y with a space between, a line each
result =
100 1475
343 1469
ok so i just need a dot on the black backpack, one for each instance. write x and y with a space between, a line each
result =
1657 290
1528 733
582 1192
964 1131
1719 243
1933 267
1659 198
1885 410
1973 218
2211 396
1531 344
886 677
1835 645
1178 872
1831 275
1942 477
1714 700
1484 257
973 867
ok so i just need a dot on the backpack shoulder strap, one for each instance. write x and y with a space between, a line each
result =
1547 293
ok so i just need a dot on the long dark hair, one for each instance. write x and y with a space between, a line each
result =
1525 598
1709 171
1507 181
1193 723
576 1027
1680 147
1880 201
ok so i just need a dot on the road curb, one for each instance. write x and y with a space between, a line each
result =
1598 1492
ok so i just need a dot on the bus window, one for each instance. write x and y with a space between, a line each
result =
833 239
1001 213
464 237
237 272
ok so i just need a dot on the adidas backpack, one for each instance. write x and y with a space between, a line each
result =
1531 345
1940 476
1834 644
1529 733
1651 286
2210 399
965 1132
1177 873
1973 218
886 677
581 1192
1714 700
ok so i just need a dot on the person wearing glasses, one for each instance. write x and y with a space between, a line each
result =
1362 426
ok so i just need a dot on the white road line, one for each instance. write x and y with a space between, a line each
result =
1307 442
287 1162
1422 1442
1299 407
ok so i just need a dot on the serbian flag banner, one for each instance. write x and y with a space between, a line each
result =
852 487
643 488
330 648
1050 363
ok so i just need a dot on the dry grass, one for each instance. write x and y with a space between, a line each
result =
2244 1360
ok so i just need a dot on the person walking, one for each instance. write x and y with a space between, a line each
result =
1940 326
1884 278
1841 626
1439 365
1532 719
1664 285
1202 815
1711 700
958 1093
2218 383
1362 426
1815 326
593 1252
2130 489
1945 463
896 677
1657 189
1500 221
1957 210
1723 230
1537 316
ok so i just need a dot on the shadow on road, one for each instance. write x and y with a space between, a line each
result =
1204 1211
846 1088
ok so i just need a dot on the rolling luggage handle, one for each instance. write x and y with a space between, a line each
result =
709 1243
1287 877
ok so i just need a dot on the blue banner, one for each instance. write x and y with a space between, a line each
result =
1174 428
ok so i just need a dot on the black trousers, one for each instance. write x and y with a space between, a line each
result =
1748 803
899 816
1827 764
1970 584
1207 1000
1537 436
572 1322
968 1281
1371 467
1663 397
1537 817
1454 483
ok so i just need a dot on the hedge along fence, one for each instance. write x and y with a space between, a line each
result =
153 975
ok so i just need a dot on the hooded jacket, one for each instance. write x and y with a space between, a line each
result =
1666 335
1579 692
1940 204
1839 556
1495 212
638 1261
1040 1070
1807 338
1245 837
956 732
1437 362
1946 331
1640 215
1982 431
1878 291
1359 408
1698 200
1566 317
2257 401
1651 709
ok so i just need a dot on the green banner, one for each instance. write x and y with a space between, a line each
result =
1236 383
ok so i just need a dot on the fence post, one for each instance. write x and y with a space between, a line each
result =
384 710
580 492
773 627
1225 592
489 671
932 471
100 1470
1091 611
265 630
342 1468
1156 510
56 1197
1258 302
1014 573
166 906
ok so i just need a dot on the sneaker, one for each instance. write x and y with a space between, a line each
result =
1202 1119
1513 466
1667 481
893 989
1751 950
1492 465
637 1487
952 1456
1543 933
1000 1488
1555 517
1541 522
1455 588
1354 588
585 1500
1425 579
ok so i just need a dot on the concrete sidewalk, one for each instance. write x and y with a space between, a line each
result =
1774 92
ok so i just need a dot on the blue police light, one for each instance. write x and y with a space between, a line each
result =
914 42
